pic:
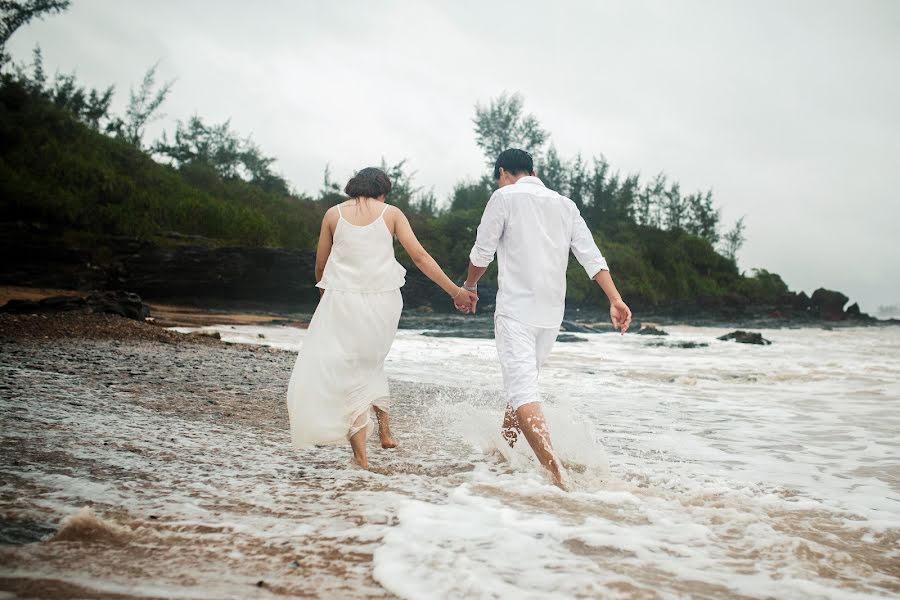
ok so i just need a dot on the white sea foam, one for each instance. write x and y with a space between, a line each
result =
709 472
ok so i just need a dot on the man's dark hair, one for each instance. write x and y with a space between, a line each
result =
370 182
514 161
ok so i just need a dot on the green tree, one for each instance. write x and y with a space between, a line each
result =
403 191
502 124
331 192
144 106
553 171
15 14
90 106
578 182
733 240
702 218
675 208
471 195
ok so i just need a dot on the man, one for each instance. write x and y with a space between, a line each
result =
532 229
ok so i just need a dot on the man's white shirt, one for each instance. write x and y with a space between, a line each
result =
532 229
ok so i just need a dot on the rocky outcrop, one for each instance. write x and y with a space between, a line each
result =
176 271
192 270
124 304
828 304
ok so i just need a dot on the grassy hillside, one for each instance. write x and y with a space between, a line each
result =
56 170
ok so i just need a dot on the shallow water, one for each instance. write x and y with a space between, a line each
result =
722 471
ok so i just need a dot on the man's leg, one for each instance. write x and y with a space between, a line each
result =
510 428
522 349
531 421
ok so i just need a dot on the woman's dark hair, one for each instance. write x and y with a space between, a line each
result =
368 183
514 161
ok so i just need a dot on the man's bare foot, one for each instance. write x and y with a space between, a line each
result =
559 480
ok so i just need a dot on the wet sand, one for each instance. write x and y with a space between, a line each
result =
179 415
143 463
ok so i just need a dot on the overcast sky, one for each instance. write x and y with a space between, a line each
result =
788 111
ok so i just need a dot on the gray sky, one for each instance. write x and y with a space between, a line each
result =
788 111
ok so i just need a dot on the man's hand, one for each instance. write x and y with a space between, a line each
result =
620 315
465 301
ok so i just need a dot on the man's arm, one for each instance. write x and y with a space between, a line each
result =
490 230
618 310
588 254
475 274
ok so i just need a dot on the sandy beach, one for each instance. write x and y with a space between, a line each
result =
144 463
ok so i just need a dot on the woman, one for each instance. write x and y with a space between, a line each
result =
339 375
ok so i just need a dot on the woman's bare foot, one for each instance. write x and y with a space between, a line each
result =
384 429
358 444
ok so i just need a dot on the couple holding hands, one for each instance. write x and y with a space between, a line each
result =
339 379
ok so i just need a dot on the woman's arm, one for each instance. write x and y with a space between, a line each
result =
423 260
326 239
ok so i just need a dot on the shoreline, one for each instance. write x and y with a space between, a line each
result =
174 314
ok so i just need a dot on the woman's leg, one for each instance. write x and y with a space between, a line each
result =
358 443
384 429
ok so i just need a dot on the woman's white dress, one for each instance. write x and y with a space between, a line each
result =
339 372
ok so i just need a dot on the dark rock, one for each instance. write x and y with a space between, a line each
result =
854 312
745 337
794 301
212 334
47 305
682 344
689 345
651 331
734 300
572 327
179 271
125 304
568 337
116 303
828 304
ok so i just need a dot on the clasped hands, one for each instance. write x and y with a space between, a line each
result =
465 301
